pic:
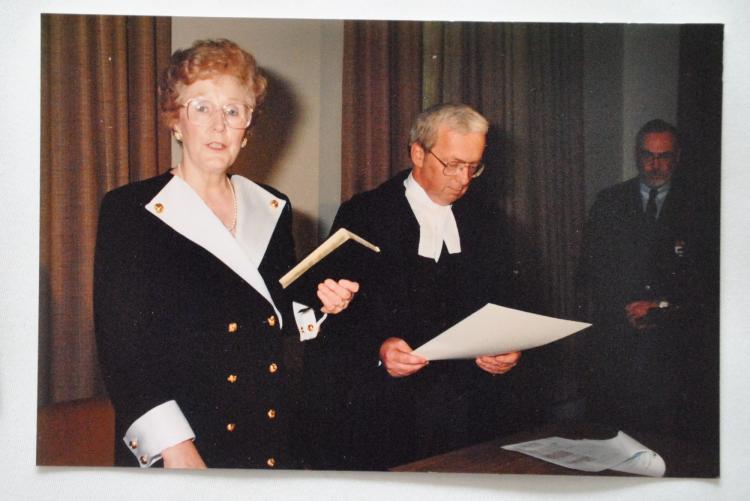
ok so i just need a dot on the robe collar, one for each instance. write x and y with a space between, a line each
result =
437 224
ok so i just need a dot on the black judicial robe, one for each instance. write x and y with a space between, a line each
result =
374 421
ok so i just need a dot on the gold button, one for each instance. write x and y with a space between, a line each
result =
274 203
144 459
310 327
271 413
231 427
273 368
159 208
133 444
232 378
271 320
232 327
271 462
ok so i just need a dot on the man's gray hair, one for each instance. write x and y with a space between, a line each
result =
457 117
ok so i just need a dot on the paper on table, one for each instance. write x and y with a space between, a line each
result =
621 453
496 329
331 244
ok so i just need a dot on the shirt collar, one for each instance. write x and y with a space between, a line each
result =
660 191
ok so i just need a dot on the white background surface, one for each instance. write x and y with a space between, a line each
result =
19 216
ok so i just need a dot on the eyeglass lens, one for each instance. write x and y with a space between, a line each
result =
453 168
202 111
648 156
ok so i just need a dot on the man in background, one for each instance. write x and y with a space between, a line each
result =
651 360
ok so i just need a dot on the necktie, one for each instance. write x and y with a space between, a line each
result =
651 205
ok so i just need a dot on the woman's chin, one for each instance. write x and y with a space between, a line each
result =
217 165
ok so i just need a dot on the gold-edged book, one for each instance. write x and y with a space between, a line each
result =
331 244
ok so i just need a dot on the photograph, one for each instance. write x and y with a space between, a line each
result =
496 181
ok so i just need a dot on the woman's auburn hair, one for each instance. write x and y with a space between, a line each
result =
203 60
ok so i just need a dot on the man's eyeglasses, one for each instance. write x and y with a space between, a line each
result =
201 111
648 156
454 167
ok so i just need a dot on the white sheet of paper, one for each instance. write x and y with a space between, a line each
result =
621 453
494 329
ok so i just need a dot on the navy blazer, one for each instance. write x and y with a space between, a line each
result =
175 322
625 259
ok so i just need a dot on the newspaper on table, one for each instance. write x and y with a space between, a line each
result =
621 453
494 329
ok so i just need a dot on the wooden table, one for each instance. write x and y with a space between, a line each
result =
682 459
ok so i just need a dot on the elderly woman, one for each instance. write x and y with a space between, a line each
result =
189 312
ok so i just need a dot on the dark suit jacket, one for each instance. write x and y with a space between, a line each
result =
407 296
174 322
625 259
643 379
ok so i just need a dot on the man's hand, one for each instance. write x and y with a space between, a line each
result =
398 359
336 296
498 364
636 313
183 455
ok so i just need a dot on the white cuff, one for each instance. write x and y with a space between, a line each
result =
307 324
158 429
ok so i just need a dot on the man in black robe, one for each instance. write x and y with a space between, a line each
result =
443 256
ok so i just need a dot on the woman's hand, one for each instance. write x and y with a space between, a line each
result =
183 455
336 296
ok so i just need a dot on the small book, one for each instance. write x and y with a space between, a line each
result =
331 244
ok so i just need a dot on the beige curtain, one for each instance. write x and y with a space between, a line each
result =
99 131
382 84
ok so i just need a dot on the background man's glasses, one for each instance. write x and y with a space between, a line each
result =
201 111
454 167
647 156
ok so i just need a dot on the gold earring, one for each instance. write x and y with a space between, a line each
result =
244 142
177 135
